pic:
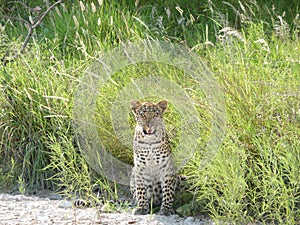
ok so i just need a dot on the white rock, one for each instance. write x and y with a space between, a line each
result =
189 220
4 197
64 204
19 198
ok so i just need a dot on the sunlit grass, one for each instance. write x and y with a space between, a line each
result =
255 174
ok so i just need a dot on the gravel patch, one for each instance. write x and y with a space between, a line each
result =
23 210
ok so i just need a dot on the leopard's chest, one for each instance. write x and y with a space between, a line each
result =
151 152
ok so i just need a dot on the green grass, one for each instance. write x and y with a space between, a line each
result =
255 174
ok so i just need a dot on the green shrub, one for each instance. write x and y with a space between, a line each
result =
255 174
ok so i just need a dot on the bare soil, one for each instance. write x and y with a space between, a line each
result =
25 210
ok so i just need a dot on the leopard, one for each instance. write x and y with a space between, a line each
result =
153 180
153 175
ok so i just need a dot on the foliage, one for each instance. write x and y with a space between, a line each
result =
252 47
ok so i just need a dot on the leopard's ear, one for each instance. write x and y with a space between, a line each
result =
134 105
163 105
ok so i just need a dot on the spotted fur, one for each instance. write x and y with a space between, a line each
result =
153 173
96 198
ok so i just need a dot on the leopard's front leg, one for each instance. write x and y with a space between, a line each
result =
168 196
141 197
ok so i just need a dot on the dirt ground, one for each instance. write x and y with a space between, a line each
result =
25 210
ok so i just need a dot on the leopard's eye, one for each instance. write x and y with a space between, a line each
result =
156 113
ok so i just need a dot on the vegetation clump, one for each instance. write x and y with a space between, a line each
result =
251 47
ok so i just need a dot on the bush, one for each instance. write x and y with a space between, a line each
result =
251 47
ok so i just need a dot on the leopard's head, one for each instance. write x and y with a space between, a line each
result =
148 115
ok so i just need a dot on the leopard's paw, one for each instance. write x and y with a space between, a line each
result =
140 211
166 212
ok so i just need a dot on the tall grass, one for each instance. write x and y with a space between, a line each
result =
252 48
